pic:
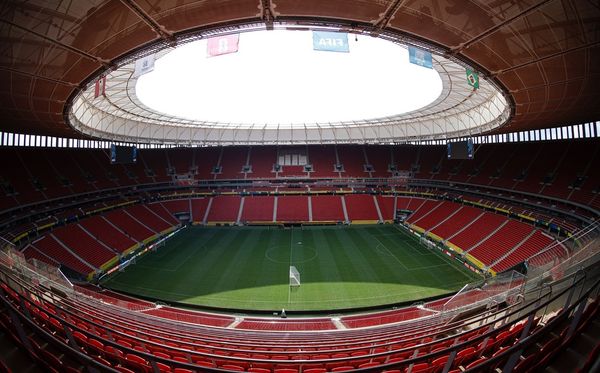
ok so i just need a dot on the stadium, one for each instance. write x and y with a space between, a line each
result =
283 186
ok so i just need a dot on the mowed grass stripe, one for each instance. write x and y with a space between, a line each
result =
247 268
320 272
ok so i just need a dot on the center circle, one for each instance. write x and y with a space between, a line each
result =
281 254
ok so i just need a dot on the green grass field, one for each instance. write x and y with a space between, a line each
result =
248 268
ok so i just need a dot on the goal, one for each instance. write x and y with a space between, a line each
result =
294 276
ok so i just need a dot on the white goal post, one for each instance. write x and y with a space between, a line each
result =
294 276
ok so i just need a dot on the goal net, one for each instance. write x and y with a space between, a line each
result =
294 276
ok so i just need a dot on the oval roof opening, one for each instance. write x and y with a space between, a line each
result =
277 78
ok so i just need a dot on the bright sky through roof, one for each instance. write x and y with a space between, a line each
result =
277 78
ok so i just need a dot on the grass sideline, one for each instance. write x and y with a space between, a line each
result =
247 268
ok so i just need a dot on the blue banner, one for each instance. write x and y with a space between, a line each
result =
420 57
330 41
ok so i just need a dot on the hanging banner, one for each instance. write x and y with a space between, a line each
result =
143 66
420 57
100 88
222 45
330 41
472 78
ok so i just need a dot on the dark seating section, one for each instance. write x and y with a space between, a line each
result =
558 169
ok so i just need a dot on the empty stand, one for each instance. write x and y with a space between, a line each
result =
502 241
323 160
534 244
292 171
224 209
292 208
205 159
84 244
451 226
49 246
327 208
181 159
233 160
352 157
103 231
444 210
262 159
478 230
258 209
425 209
386 206
199 207
361 207
380 158
129 225
156 160
148 218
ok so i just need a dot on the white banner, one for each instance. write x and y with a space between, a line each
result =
144 66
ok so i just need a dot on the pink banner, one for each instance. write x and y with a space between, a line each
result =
223 45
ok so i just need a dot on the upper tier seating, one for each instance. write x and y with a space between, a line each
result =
156 161
379 157
233 160
353 160
205 160
323 160
563 169
262 159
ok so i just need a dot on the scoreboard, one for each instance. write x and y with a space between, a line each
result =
122 154
461 149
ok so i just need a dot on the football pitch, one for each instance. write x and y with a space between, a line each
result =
247 268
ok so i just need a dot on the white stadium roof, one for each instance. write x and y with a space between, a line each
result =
458 111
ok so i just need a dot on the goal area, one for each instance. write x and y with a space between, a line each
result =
294 277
